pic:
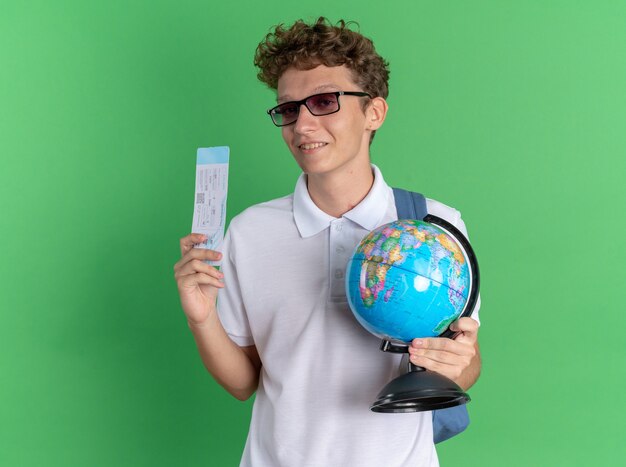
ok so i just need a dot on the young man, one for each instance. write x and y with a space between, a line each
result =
282 326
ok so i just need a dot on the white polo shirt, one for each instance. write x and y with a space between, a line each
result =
284 265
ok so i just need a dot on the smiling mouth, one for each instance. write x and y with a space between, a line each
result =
309 146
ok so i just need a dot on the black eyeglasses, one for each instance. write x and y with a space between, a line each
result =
318 104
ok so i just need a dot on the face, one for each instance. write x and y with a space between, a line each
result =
332 143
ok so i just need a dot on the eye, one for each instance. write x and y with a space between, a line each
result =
287 109
324 102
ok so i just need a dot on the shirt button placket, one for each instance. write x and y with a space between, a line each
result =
337 261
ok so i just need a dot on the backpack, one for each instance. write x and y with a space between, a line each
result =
453 420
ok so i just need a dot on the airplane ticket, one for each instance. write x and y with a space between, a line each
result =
209 214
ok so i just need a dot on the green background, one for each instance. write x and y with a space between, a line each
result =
514 112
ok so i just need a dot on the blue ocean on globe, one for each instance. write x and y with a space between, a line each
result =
408 279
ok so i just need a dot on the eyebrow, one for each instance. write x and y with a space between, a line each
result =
323 87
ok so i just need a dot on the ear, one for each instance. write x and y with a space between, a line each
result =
376 113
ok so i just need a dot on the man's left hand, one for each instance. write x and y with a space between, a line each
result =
455 358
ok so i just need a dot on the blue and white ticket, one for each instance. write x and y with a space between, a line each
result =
209 214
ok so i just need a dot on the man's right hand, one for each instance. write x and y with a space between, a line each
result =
198 282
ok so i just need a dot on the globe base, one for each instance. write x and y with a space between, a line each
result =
418 390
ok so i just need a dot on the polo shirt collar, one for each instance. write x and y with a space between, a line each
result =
311 220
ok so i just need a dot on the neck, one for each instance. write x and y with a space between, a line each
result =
338 193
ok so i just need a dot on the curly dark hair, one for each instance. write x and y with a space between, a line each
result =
305 46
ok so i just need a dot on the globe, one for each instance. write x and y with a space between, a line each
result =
408 279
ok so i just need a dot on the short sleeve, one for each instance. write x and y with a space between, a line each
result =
230 305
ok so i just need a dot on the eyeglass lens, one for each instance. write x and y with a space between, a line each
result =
320 104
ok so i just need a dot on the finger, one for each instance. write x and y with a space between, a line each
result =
196 266
439 356
467 330
450 371
462 356
198 253
466 338
427 363
192 280
437 345
187 243
466 325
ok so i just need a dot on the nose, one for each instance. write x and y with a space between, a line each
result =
306 121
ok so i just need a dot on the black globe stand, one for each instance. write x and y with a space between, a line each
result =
417 390
420 390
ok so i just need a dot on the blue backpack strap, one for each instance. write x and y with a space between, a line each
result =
410 205
451 421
